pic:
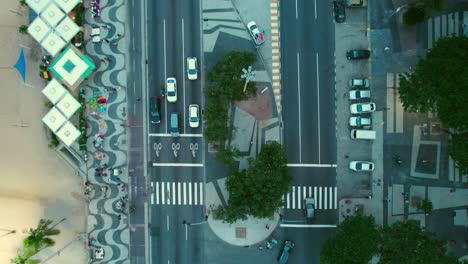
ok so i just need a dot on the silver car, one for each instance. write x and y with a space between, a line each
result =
309 205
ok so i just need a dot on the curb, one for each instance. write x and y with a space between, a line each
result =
275 53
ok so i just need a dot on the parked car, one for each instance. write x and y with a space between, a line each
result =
171 89
359 94
175 131
287 246
361 165
340 12
155 105
255 33
309 206
356 3
192 73
359 83
358 54
362 108
357 121
194 119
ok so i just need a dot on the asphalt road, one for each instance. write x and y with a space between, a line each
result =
308 99
176 174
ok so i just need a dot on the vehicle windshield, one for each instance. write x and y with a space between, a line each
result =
192 71
359 108
358 121
171 93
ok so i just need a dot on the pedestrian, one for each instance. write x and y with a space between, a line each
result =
346 156
267 226
108 59
124 188
107 41
103 174
103 60
119 217
452 190
138 99
386 48
105 26
119 35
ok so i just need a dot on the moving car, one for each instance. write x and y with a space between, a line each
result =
192 73
175 124
255 33
339 10
309 205
361 165
171 89
287 246
155 103
359 83
359 94
358 54
194 119
357 121
362 108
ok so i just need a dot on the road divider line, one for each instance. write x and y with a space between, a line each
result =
307 226
308 165
178 193
299 104
169 135
177 164
157 192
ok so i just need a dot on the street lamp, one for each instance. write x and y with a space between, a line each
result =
248 75
398 10
191 224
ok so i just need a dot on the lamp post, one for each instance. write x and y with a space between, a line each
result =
248 75
398 10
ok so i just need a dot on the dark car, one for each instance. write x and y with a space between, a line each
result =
358 54
287 246
155 115
340 13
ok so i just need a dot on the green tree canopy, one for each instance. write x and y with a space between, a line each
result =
39 238
405 242
258 190
419 10
356 241
440 84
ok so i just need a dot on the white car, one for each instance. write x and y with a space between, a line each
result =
192 73
359 83
255 33
361 165
194 117
362 108
359 94
358 121
171 90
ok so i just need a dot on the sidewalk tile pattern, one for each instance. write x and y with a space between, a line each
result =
275 53
107 220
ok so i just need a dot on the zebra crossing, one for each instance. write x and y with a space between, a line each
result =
447 25
325 197
177 193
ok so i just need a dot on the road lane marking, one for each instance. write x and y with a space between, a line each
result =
165 66
315 194
196 191
299 104
293 197
190 193
307 226
306 165
167 223
315 6
325 198
336 197
168 187
318 95
297 13
169 135
330 192
201 193
186 232
173 194
177 164
299 197
287 201
178 193
183 70
319 200
185 192
163 194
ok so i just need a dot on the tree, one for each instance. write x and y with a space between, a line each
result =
20 259
355 242
406 239
23 29
420 10
258 190
440 84
39 238
22 3
425 205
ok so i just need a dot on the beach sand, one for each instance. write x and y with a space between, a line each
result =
35 182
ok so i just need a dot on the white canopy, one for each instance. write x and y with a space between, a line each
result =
67 29
54 91
69 66
38 29
53 44
68 134
68 105
37 5
54 119
52 15
67 5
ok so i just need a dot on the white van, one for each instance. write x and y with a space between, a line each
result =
362 134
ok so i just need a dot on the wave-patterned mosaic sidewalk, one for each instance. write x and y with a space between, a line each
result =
107 221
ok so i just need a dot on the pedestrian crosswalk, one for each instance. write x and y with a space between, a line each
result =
325 197
177 193
446 25
394 105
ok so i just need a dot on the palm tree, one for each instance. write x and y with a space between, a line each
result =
24 260
38 238
22 3
23 29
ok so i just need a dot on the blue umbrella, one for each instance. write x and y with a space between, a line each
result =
21 65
